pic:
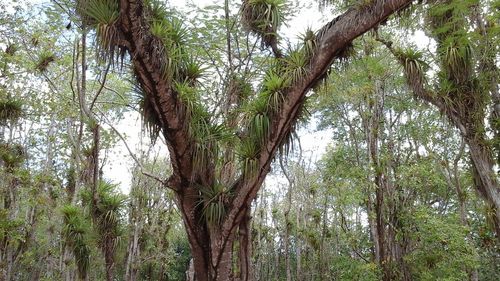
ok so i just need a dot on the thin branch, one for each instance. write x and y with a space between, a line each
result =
137 162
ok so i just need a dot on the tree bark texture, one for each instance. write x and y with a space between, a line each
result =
211 246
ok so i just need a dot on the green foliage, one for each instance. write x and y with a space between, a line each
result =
295 64
75 231
442 251
308 39
12 155
10 110
215 200
44 59
263 17
100 12
348 268
248 154
107 213
156 10
414 66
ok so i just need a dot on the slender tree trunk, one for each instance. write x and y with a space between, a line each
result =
485 178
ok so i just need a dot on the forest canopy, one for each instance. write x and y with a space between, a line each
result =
249 140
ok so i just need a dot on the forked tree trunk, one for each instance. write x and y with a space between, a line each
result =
212 245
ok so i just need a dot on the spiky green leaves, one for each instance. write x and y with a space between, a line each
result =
75 229
263 18
308 39
107 214
12 155
191 71
10 110
102 15
215 199
100 11
171 31
44 59
207 136
414 68
156 10
174 59
457 61
295 65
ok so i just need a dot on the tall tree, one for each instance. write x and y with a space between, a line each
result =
466 84
214 195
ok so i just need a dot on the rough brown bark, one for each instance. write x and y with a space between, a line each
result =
211 246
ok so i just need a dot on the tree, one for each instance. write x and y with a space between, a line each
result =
213 182
466 84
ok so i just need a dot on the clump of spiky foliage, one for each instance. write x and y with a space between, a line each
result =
12 155
414 68
75 229
102 15
11 49
457 61
238 90
263 18
155 10
308 39
273 88
295 64
44 60
107 216
10 110
170 35
191 71
215 200
149 115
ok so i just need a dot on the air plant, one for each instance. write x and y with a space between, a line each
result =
75 229
45 58
10 110
263 18
214 200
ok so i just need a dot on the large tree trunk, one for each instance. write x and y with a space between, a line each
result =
212 245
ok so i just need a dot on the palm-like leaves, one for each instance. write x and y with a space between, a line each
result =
263 17
10 110
107 213
414 68
12 155
295 64
100 11
102 14
75 231
214 200
457 61
309 41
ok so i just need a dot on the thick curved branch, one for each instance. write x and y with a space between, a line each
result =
146 53
335 38
420 90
